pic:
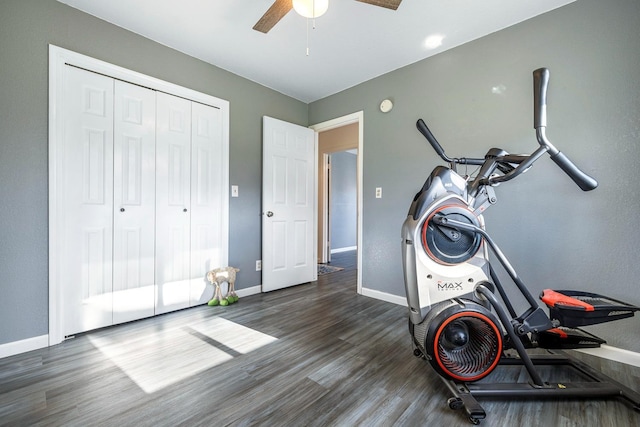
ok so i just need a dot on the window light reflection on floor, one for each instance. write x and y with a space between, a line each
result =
158 359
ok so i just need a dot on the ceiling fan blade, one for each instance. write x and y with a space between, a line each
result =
389 4
271 17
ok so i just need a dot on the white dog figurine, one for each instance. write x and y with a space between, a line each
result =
218 276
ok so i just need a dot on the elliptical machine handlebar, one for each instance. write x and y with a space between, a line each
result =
424 130
540 85
584 181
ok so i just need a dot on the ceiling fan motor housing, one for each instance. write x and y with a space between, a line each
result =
461 339
308 9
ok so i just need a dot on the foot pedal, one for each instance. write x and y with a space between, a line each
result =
563 338
576 308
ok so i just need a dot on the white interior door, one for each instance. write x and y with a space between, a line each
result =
288 205
134 202
87 220
173 202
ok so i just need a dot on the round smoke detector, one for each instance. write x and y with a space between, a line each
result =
386 106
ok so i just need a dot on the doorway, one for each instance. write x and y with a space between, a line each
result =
341 201
337 136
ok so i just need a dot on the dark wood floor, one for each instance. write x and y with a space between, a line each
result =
313 355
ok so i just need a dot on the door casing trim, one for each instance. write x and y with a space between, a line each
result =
356 117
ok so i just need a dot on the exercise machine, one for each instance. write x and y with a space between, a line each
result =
462 318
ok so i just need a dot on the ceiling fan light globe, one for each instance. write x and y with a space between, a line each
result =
311 8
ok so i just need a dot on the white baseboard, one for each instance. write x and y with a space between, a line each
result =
345 249
384 296
614 353
22 346
249 291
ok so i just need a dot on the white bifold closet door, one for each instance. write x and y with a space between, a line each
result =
110 202
188 178
134 195
87 242
207 181
173 180
143 177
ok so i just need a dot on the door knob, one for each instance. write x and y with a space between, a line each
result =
121 209
269 214
184 210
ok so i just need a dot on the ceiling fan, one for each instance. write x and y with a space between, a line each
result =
280 8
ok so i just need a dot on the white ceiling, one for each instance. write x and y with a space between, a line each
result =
352 43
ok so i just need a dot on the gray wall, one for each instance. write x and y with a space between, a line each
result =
556 235
26 29
344 200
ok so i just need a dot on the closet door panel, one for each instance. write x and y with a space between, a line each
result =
206 199
134 202
87 218
173 202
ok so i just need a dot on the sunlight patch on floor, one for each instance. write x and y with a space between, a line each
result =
237 337
160 358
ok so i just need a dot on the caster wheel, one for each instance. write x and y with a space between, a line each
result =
474 421
417 353
455 403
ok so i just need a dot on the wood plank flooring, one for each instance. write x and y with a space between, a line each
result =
316 354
